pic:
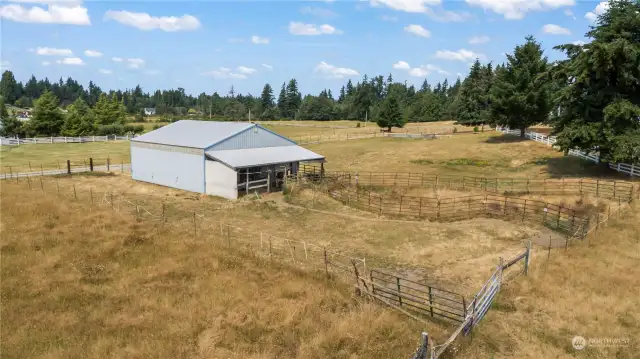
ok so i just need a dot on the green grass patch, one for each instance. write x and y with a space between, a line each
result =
422 162
466 162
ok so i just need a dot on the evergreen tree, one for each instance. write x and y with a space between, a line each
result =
47 118
599 99
266 98
293 99
3 108
282 101
8 87
80 120
519 95
390 114
472 102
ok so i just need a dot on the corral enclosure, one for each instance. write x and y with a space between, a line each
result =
457 255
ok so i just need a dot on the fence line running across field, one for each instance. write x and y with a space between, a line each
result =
42 140
623 190
626 168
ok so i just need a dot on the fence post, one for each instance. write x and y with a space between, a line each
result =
68 167
91 164
163 217
108 164
326 262
229 237
398 285
430 302
75 196
597 188
527 258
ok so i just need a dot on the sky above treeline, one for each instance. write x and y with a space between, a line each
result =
207 46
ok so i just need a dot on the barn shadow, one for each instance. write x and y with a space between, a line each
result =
572 166
505 139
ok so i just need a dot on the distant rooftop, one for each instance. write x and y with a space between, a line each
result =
194 134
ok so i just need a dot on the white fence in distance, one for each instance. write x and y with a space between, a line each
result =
62 139
626 168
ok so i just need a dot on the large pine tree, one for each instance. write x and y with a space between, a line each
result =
47 118
599 97
520 93
390 114
472 102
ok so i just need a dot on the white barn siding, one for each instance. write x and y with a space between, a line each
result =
170 166
254 137
221 180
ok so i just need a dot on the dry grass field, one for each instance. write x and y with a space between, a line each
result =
591 290
487 154
84 281
103 284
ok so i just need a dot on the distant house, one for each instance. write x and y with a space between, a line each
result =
23 115
150 111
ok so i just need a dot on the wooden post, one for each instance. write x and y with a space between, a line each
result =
75 196
163 217
326 262
68 167
58 186
558 220
438 213
268 181
398 285
41 170
373 287
229 237
91 164
549 252
247 184
430 302
527 258
108 164
597 188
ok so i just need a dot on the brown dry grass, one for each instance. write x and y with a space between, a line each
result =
82 281
591 290
485 154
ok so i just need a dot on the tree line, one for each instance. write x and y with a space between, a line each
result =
591 98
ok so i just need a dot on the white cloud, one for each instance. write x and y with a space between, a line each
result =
421 71
144 21
475 40
413 6
401 65
116 59
569 13
46 63
49 51
135 63
76 61
268 67
448 16
225 73
600 9
299 28
245 70
417 30
54 14
92 53
317 11
259 40
517 9
460 55
389 18
553 29
334 72
106 72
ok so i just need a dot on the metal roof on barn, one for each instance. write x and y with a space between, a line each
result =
253 157
194 134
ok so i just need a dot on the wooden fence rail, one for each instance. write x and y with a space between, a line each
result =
581 186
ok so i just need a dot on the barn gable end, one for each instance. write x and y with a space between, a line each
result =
253 137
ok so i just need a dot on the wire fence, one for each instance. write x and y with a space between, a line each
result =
64 166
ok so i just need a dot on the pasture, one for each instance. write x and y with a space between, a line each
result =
99 256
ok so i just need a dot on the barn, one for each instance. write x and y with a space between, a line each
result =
224 159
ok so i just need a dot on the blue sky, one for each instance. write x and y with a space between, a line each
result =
207 46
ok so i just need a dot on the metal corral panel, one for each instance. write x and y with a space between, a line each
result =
221 180
254 137
194 134
170 166
253 157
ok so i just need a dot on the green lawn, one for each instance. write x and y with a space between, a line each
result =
19 158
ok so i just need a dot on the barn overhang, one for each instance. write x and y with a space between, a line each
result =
266 156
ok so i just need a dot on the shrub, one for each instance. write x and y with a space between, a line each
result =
475 129
138 118
455 129
358 125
